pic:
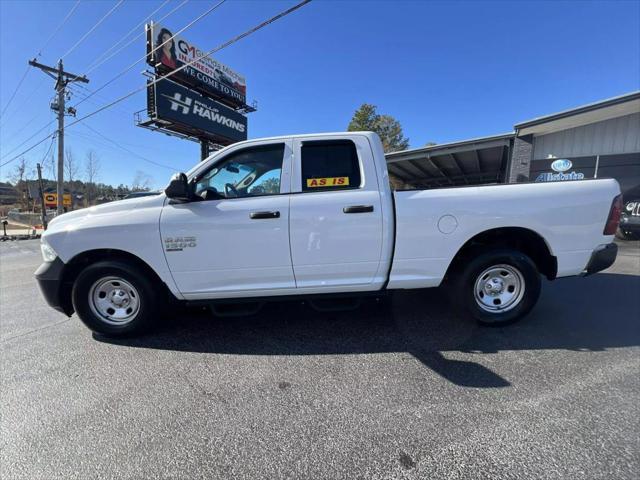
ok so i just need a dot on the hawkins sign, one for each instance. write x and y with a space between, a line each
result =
561 167
170 102
206 74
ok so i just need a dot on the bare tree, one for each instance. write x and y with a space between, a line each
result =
92 171
49 167
19 171
19 178
71 167
141 181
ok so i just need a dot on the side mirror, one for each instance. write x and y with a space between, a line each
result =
179 189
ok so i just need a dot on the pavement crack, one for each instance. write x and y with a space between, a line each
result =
24 334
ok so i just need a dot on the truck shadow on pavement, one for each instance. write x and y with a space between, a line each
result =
580 314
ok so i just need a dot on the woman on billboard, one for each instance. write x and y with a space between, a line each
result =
167 53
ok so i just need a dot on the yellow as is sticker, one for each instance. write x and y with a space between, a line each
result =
328 182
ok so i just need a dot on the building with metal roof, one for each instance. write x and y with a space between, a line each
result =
599 139
468 162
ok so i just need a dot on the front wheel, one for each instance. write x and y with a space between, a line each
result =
497 287
114 299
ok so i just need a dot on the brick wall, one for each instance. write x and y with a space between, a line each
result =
521 156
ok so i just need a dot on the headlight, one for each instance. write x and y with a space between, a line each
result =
48 253
630 206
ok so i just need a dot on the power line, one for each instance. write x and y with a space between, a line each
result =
182 67
52 130
127 150
25 141
94 101
29 123
25 101
55 32
24 75
184 2
91 66
26 151
44 157
197 19
104 17
45 161
216 49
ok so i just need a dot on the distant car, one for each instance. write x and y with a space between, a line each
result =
630 219
141 194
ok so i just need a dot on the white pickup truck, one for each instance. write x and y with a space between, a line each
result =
314 215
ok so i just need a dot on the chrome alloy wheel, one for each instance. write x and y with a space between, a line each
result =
114 300
499 288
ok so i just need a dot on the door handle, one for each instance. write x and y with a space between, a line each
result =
259 215
358 209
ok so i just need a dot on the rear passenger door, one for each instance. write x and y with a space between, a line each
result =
335 214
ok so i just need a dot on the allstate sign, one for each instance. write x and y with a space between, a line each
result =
562 165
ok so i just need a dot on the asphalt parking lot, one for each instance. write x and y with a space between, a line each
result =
399 390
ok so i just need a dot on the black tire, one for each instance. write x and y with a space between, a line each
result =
148 304
624 235
463 287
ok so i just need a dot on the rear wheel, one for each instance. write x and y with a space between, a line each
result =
114 299
497 287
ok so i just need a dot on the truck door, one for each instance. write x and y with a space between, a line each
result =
335 215
235 242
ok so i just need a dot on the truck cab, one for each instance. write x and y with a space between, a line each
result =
282 216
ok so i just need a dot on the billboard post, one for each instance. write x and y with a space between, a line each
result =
204 149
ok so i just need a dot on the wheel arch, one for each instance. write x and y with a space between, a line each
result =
82 260
522 239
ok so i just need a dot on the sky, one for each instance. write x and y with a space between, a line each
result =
446 70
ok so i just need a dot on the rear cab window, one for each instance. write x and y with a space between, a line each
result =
330 165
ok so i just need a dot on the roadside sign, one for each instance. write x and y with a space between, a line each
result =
51 200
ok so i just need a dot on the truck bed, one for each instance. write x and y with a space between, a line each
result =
433 225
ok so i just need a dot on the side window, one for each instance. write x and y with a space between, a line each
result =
248 172
330 165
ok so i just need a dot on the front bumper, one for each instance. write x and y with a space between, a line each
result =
602 258
50 278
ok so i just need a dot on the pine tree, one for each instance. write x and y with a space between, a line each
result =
387 127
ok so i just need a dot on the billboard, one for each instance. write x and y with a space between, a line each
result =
182 110
206 75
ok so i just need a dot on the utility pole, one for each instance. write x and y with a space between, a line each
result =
62 78
43 213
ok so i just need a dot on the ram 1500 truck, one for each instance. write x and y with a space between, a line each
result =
315 215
